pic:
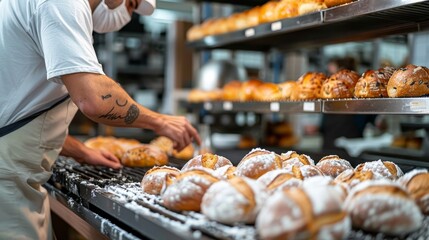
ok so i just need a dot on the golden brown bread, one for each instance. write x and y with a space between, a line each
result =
381 169
253 17
288 88
225 172
145 155
286 9
333 165
267 92
340 85
305 171
292 158
186 191
351 178
267 13
304 213
332 3
246 91
195 33
245 197
154 179
207 160
278 179
258 162
108 144
198 95
308 6
163 143
383 206
373 84
230 90
411 81
417 184
185 154
309 85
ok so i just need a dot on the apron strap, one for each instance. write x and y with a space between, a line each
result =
16 125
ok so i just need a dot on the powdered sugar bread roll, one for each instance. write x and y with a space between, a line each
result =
292 158
185 193
351 178
417 184
381 169
207 160
225 172
278 180
257 162
154 179
333 165
383 206
237 200
306 171
316 181
303 213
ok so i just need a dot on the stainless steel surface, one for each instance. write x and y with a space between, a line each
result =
378 106
361 20
216 73
261 107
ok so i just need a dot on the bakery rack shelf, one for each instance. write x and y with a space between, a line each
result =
357 21
412 106
240 2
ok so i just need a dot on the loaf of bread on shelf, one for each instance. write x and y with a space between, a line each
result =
417 184
373 83
163 143
288 87
267 92
154 179
258 162
252 17
185 154
309 86
308 6
198 95
237 200
381 169
340 84
332 165
145 155
304 213
278 180
286 9
267 13
195 33
410 81
186 191
230 91
383 206
109 144
207 160
246 91
127 143
333 3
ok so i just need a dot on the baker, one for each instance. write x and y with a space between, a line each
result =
49 70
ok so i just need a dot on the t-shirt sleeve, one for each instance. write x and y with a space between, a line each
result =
65 37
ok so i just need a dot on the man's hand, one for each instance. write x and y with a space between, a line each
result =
179 129
78 151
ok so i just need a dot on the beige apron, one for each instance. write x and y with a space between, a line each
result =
26 159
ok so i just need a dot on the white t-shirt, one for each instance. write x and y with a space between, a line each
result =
41 40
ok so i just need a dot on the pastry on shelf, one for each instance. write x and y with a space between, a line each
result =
309 6
309 86
410 81
198 95
267 92
333 165
258 162
340 85
145 155
417 184
154 179
195 33
383 206
287 9
333 3
278 180
288 87
207 160
267 13
292 158
247 88
230 90
373 83
381 169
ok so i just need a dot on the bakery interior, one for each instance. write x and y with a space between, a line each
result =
313 114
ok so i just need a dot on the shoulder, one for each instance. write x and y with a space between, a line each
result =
64 8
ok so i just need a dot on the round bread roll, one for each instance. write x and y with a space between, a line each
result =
225 172
351 178
333 165
306 171
257 162
288 88
186 191
145 155
333 3
253 17
153 181
381 169
128 143
207 160
163 143
230 91
417 184
383 206
278 180
303 213
411 81
340 84
267 13
291 158
286 9
317 181
237 200
246 91
373 84
308 6
267 92
309 85
198 95
108 144
185 154
195 33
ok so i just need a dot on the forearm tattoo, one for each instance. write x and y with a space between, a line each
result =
131 115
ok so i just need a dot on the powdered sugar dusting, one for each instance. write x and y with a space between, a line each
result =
269 177
377 167
257 163
404 180
341 228
324 199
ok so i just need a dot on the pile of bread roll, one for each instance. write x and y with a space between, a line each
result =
269 12
133 153
288 196
409 81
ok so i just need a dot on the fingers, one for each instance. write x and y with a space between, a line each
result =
180 130
109 160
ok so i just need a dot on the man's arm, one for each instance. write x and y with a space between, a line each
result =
102 100
77 150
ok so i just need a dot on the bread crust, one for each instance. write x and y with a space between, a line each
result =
340 85
373 84
145 155
410 81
